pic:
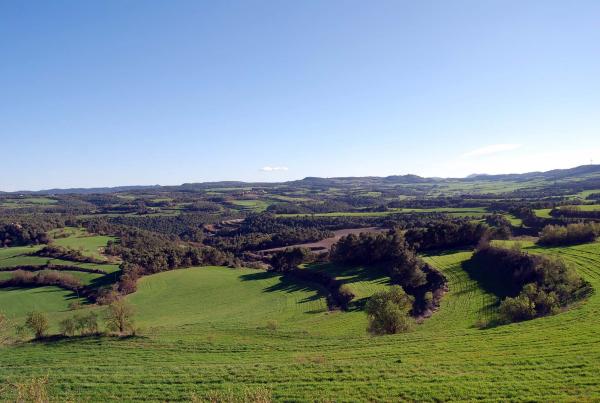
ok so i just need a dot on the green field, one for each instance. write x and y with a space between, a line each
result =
543 213
77 239
206 331
89 245
251 205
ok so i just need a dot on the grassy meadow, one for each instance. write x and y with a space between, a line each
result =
216 331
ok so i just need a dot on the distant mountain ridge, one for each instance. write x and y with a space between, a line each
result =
555 174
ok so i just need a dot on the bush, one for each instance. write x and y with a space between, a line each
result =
86 324
37 323
67 327
517 309
388 311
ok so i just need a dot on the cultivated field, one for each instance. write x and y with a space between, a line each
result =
214 331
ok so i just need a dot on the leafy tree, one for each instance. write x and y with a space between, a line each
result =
388 311
289 259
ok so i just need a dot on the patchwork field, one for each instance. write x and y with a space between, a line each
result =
218 331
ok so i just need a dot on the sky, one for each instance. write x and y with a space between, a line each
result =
107 93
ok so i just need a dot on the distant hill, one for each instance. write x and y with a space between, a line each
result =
85 190
582 172
554 174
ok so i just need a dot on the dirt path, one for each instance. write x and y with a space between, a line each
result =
325 244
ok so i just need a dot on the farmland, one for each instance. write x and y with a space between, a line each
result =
215 341
216 320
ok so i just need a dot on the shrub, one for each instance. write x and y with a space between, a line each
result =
107 296
388 311
37 323
67 327
272 325
5 326
517 309
86 324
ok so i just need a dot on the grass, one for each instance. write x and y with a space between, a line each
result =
543 213
206 333
363 281
80 239
514 221
77 239
251 205
54 301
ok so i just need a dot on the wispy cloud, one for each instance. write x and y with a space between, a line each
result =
491 149
272 169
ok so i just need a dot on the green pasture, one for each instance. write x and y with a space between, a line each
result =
207 332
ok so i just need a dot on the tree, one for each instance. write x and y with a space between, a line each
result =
388 311
289 259
37 322
119 317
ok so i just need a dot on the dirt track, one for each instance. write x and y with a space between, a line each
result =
325 244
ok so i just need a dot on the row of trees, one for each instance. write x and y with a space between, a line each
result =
402 263
533 285
118 318
59 252
22 278
29 229
145 252
553 235
575 212
287 261
444 234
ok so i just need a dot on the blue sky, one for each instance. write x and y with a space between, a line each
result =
101 93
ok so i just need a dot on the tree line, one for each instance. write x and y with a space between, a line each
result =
533 285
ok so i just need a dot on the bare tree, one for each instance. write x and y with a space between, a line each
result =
119 317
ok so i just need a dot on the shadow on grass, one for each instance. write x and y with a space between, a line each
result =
288 284
352 273
489 283
62 339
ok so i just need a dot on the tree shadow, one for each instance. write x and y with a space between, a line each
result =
105 280
288 284
488 282
353 273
